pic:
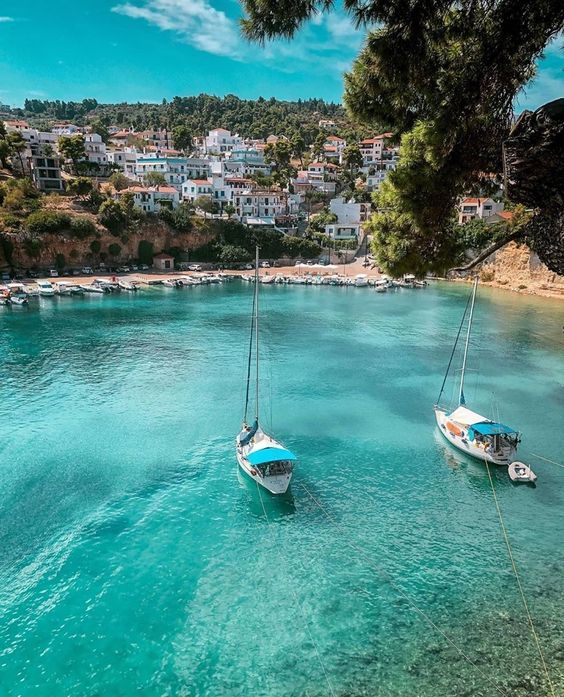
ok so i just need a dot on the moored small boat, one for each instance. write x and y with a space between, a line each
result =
520 472
45 288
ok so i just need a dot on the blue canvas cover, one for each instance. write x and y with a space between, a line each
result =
248 435
260 457
490 428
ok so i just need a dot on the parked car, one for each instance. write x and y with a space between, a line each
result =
123 269
249 267
265 265
53 273
298 262
134 267
194 267
87 270
143 267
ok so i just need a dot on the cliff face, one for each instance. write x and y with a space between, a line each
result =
517 268
78 252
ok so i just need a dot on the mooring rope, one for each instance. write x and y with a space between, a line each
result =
546 459
518 579
296 600
386 576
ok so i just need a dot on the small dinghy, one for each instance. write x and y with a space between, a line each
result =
520 472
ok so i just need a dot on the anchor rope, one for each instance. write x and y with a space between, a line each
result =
296 600
546 459
518 579
387 577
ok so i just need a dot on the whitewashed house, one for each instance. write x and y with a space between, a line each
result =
260 204
350 215
175 170
151 199
477 208
221 141
95 149
194 188
372 149
125 159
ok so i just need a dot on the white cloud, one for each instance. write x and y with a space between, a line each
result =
7 19
195 21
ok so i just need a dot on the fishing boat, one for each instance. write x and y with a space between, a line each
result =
62 288
126 285
470 432
361 280
18 299
520 472
93 288
261 458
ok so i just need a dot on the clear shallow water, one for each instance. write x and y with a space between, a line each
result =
134 562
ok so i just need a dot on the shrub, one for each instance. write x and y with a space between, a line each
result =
114 249
95 246
11 222
231 253
47 222
81 228
7 247
33 247
145 251
60 262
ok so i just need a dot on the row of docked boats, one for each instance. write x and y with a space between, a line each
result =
187 281
361 280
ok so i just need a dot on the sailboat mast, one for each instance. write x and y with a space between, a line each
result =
461 399
257 329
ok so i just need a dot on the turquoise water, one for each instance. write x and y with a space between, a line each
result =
134 562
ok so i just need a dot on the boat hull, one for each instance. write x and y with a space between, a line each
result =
460 442
276 485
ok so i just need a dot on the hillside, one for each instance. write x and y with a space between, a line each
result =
253 118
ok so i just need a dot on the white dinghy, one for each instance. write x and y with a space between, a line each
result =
520 472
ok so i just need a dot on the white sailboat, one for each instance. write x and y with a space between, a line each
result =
467 430
261 458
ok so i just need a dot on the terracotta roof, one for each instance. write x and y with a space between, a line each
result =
16 123
506 215
149 190
201 182
336 138
475 201
162 255
376 139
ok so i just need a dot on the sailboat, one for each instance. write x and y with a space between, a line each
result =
261 458
467 430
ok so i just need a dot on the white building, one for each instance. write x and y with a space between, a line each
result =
176 170
46 169
221 141
480 208
160 138
65 129
151 199
260 203
372 149
194 188
95 149
125 159
350 216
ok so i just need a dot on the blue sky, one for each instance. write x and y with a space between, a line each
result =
144 50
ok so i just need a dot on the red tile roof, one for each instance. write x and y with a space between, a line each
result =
506 215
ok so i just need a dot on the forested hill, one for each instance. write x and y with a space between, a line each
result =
256 118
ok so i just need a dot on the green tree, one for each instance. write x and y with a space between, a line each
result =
17 146
231 254
95 246
119 181
230 210
298 146
205 204
60 262
99 127
182 138
145 252
114 249
112 216
72 148
352 157
81 187
5 152
444 77
33 247
154 179
82 228
318 147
